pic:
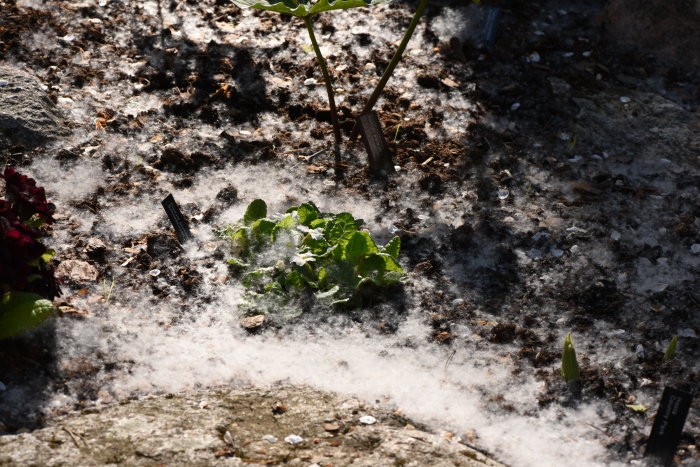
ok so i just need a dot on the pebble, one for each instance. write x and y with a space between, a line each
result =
503 194
293 439
615 235
331 427
534 57
625 99
269 439
3 83
2 386
687 332
368 420
557 252
228 438
154 272
695 248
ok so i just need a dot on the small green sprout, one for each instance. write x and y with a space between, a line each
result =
670 352
639 408
107 293
396 133
569 366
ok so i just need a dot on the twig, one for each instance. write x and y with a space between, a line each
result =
449 359
326 78
76 438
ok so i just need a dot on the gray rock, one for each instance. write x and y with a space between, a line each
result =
176 430
27 115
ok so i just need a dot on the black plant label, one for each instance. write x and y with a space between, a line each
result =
378 154
668 425
493 15
182 228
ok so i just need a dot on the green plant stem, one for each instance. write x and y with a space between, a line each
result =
392 64
326 78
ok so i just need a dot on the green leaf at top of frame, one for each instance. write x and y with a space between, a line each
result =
305 7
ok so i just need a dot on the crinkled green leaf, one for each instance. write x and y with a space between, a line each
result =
340 228
307 213
372 266
393 247
263 227
294 280
317 247
304 7
256 210
391 264
637 407
318 223
359 244
20 311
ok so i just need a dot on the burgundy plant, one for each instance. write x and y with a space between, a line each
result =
21 215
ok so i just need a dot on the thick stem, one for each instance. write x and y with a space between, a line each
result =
392 64
326 78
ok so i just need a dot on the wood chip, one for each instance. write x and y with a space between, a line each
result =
449 82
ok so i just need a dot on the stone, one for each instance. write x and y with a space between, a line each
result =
27 115
668 29
95 248
171 429
77 271
253 323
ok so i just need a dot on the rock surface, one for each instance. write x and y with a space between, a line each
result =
27 115
669 29
236 427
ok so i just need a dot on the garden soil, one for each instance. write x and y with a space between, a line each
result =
546 185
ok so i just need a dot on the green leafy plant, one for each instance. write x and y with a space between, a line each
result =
569 366
304 251
670 352
306 10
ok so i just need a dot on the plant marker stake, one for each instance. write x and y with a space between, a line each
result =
668 425
392 64
493 16
377 151
182 229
